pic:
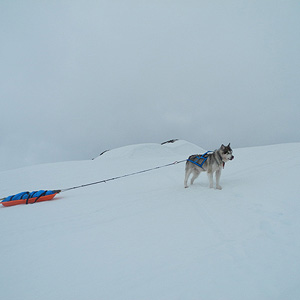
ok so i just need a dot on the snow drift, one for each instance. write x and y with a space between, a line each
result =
146 237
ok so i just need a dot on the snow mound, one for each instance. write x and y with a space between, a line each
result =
143 151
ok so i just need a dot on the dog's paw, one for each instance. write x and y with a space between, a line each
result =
218 187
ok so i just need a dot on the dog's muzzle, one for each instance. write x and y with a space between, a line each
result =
232 157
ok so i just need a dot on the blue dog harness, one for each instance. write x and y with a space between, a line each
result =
203 157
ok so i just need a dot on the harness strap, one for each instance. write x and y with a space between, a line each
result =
203 157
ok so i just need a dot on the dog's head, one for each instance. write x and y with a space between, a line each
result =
226 153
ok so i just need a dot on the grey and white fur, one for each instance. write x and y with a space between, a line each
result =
213 164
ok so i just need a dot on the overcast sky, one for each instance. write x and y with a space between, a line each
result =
80 77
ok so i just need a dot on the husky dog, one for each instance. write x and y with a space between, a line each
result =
210 163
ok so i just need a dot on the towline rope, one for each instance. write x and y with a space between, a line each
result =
122 176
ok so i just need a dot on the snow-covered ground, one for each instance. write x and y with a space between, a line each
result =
146 237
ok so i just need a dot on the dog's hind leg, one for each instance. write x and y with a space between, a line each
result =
187 175
195 175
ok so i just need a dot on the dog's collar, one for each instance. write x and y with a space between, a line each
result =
222 162
220 158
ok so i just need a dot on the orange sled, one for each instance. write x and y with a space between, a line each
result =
30 200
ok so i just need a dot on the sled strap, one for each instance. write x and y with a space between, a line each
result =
28 196
41 195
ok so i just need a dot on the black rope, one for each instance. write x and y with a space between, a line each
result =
122 176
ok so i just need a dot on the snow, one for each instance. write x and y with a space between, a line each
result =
147 237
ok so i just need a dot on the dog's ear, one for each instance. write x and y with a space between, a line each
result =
228 145
222 147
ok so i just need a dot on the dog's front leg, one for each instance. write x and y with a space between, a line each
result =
218 175
210 178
